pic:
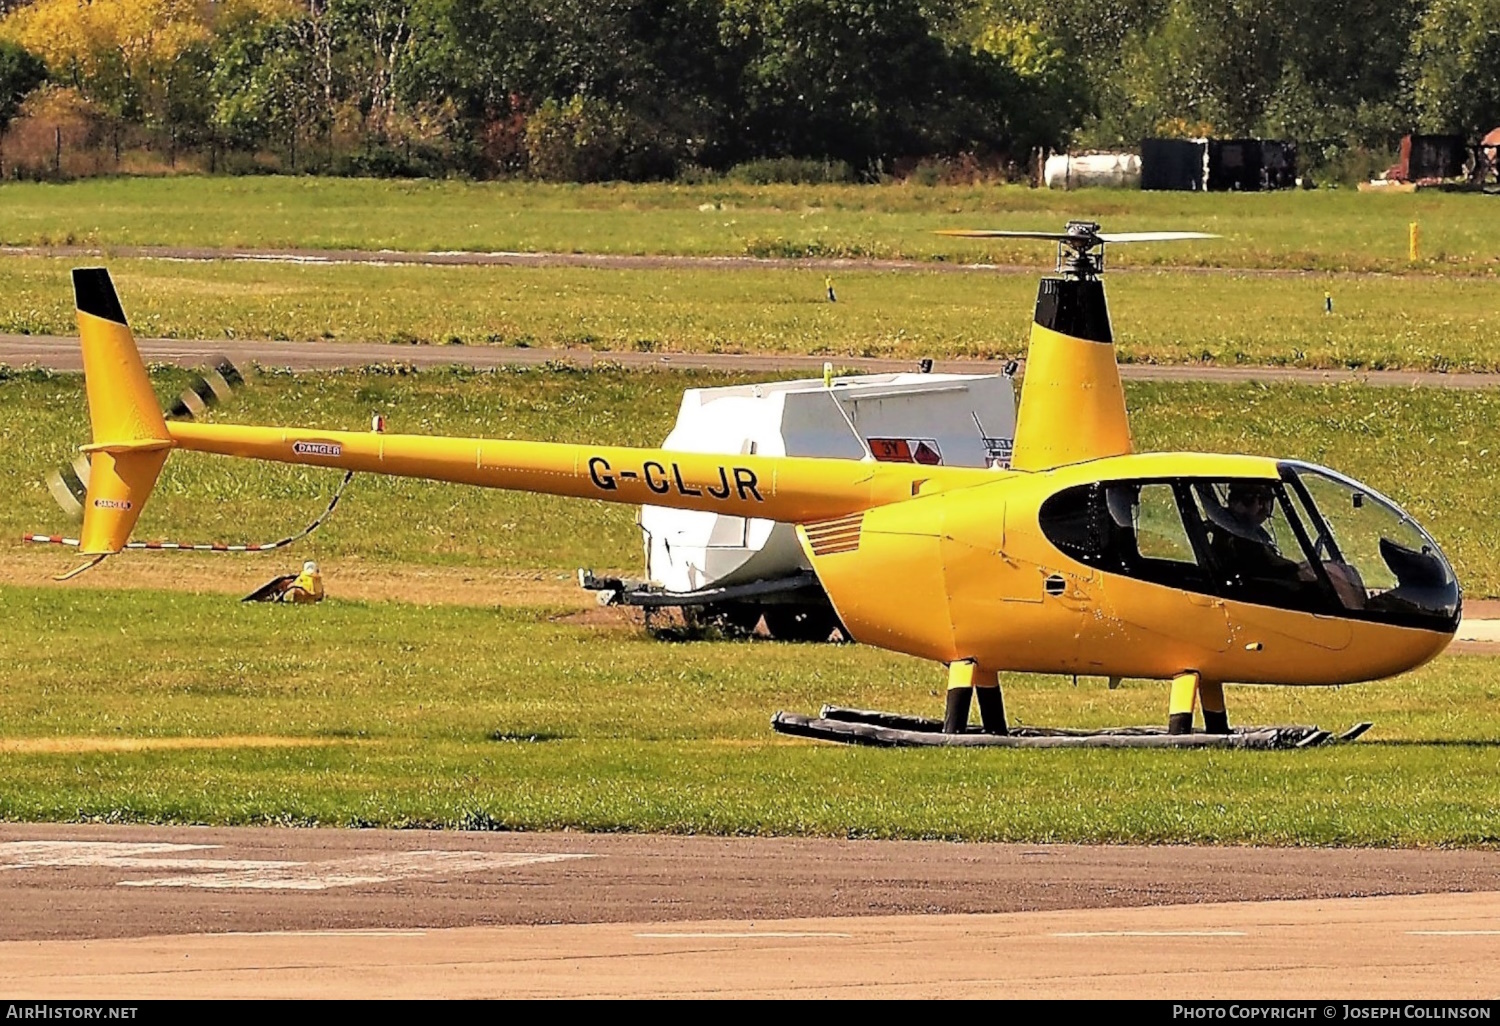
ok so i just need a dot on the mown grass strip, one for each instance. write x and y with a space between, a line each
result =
1423 323
1432 450
476 718
1324 230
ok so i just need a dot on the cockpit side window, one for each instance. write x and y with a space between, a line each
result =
1134 528
1071 521
1160 533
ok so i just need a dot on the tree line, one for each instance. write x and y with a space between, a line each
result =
584 90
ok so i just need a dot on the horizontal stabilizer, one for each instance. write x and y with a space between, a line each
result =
272 590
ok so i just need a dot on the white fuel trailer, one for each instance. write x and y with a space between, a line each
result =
732 571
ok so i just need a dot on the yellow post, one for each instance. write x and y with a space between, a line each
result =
1413 242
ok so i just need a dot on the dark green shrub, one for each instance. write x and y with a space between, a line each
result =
791 171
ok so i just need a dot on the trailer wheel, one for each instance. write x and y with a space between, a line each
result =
740 619
800 623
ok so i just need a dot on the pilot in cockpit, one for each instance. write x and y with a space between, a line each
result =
1239 541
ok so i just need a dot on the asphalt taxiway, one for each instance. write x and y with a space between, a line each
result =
141 912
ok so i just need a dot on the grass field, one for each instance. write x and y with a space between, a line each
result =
1423 322
1432 450
146 706
1326 230
401 714
485 718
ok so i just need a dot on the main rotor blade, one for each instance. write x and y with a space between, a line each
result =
1151 236
979 233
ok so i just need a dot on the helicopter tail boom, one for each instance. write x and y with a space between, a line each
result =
791 489
131 441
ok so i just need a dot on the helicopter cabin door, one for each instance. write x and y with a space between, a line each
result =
1012 608
1156 544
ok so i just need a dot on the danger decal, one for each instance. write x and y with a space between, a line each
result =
317 449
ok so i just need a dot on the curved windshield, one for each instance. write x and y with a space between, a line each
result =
1376 557
1314 541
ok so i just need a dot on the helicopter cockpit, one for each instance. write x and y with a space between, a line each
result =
1312 541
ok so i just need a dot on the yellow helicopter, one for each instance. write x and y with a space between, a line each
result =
1082 557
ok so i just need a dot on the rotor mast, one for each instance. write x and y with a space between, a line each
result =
1080 252
1072 402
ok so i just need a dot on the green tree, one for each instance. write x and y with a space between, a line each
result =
1278 68
137 60
1087 42
1455 66
265 87
376 40
578 141
1054 81
861 80
21 71
656 63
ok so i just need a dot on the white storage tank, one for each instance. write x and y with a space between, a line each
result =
750 566
1095 170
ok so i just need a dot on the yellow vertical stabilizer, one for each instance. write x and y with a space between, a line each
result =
130 440
1072 403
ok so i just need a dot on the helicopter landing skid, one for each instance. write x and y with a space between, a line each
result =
894 730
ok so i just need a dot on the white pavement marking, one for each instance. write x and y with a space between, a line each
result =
260 874
746 935
1478 630
112 855
352 872
1154 933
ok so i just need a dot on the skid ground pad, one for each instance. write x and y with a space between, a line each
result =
893 730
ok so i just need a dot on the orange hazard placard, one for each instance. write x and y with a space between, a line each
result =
890 450
906 450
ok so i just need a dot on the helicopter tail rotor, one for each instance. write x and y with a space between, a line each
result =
69 484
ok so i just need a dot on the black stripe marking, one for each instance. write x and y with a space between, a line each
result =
94 294
1074 308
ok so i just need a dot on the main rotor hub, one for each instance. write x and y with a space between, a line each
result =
1080 252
